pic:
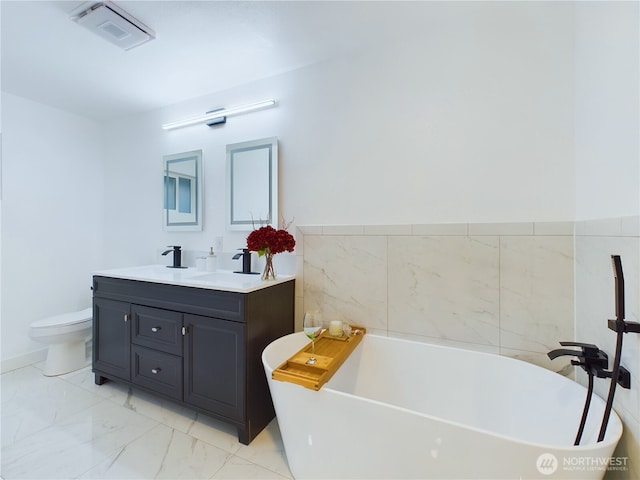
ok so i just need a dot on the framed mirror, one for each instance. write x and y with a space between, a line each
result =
252 184
183 191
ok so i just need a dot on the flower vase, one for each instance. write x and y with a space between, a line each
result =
269 273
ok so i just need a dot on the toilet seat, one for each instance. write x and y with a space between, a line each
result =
66 319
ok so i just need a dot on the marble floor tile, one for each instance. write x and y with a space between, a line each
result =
215 432
69 448
31 404
67 427
85 379
164 411
162 452
238 468
267 450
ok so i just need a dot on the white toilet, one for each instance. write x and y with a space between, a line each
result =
67 336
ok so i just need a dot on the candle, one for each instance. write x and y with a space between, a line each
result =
335 328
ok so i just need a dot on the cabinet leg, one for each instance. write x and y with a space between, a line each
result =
99 379
243 436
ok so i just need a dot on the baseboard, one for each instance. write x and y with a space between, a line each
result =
23 360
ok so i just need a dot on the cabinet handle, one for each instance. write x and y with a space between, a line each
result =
156 329
184 331
126 317
155 371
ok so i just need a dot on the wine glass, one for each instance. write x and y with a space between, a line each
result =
312 328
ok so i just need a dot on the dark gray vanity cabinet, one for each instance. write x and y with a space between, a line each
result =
199 347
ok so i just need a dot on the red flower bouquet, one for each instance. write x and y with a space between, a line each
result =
269 241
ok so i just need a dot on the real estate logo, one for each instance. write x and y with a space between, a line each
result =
547 464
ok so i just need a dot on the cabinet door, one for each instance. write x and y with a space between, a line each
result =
112 337
214 361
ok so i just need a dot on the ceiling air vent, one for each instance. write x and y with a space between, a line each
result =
113 24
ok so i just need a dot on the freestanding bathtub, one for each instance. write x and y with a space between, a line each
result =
402 409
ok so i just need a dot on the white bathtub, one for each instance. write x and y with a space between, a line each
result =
402 409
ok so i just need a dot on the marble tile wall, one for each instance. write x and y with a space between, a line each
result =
500 288
595 242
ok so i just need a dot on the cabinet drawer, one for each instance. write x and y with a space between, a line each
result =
157 328
161 372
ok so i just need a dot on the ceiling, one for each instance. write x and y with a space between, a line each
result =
201 47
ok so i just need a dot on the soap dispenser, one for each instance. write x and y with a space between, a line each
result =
212 261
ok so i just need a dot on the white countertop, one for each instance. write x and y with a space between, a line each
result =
224 280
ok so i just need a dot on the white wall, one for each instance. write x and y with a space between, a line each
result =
467 123
607 122
471 122
52 216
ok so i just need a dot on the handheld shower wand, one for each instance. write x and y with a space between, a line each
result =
620 326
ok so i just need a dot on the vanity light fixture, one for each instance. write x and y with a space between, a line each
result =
221 113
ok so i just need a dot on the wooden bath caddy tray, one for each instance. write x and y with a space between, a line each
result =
330 353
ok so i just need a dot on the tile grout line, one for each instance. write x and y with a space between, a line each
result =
500 295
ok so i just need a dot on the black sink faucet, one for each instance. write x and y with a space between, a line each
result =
246 260
177 256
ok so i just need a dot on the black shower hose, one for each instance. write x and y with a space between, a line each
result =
614 379
585 411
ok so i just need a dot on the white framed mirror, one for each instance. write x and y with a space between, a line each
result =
252 184
183 191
